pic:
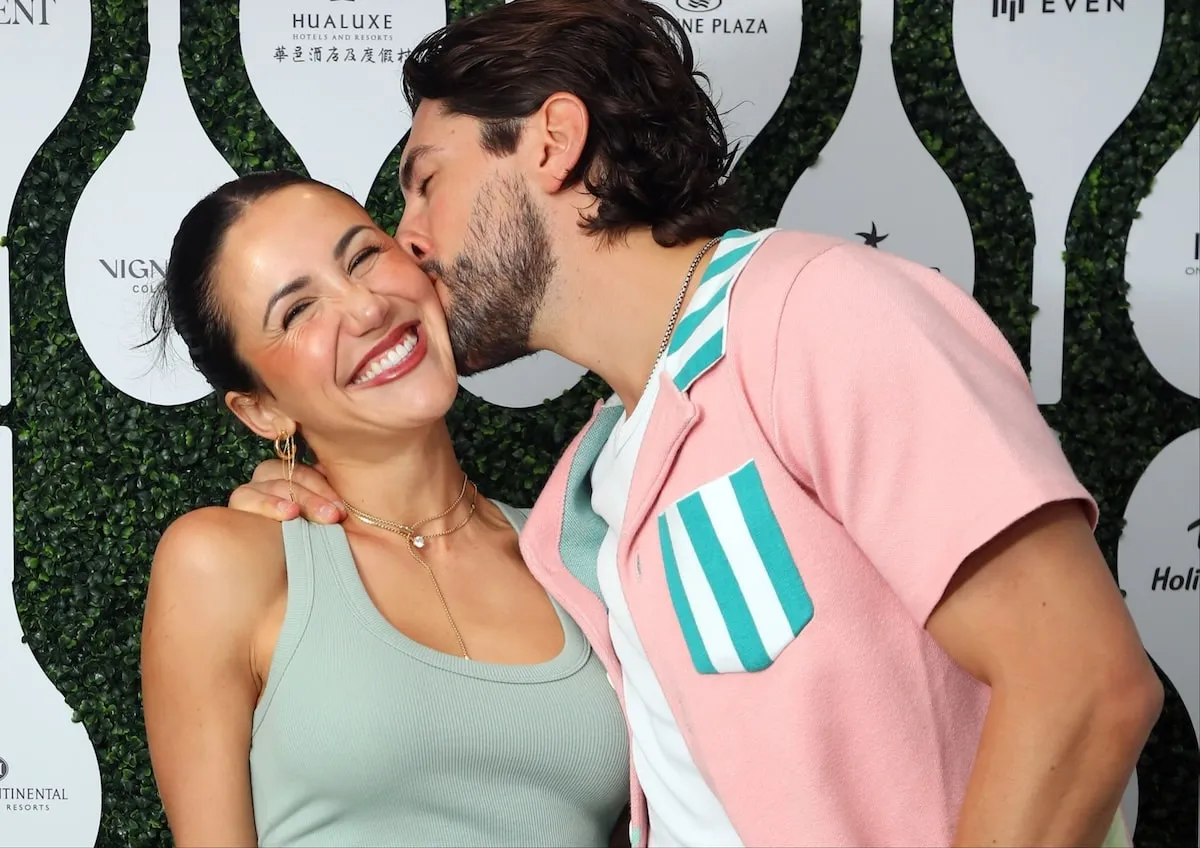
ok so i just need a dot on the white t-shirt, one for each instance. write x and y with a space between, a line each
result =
683 810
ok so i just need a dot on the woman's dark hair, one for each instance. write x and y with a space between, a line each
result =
186 300
656 152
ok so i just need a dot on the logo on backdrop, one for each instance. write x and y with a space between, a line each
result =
1011 8
351 37
145 273
873 238
25 12
717 25
15 798
1166 580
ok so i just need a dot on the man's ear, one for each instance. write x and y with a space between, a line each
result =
558 132
259 416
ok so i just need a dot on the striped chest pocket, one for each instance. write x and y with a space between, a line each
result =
735 587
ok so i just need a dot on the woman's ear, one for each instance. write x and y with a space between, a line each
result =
259 416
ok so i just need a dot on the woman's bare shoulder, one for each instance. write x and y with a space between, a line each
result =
220 548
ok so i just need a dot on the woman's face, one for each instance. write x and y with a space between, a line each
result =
342 328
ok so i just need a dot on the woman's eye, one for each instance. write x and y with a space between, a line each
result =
293 313
362 256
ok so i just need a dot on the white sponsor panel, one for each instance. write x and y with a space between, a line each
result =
529 381
1053 79
1158 566
49 777
748 49
875 182
328 75
1162 266
122 230
44 45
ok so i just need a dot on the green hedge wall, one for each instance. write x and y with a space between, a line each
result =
98 475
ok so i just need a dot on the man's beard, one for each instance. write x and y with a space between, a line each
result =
498 281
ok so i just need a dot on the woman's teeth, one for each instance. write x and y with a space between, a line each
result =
388 359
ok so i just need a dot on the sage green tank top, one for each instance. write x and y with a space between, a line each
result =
364 737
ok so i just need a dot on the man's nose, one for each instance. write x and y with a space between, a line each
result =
413 240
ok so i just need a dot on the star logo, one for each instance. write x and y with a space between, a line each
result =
872 239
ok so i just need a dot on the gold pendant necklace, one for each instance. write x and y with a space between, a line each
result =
417 540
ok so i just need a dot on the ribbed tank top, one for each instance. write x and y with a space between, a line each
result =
364 737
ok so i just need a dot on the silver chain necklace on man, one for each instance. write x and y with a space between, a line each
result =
687 281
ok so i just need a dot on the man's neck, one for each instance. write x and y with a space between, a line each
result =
613 305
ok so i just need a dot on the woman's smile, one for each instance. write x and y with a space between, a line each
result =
397 354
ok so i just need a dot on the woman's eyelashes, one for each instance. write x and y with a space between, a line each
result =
293 312
362 256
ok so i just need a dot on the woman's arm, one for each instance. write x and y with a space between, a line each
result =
199 687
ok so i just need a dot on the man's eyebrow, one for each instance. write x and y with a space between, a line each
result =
410 162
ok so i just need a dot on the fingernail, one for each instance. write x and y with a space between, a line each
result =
283 507
327 512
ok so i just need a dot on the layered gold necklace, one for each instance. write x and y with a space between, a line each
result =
417 541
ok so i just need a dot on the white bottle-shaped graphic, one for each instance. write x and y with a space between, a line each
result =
1129 803
748 49
1053 79
328 76
1162 266
49 777
874 181
1158 566
530 381
122 230
44 45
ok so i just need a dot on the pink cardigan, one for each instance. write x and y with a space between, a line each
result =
834 434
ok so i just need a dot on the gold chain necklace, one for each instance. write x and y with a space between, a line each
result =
417 540
687 280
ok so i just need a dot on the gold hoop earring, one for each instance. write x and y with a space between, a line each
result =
285 449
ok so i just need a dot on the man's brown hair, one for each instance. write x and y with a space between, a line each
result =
656 152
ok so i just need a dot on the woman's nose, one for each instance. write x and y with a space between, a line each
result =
366 308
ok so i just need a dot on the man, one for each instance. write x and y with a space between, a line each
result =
839 570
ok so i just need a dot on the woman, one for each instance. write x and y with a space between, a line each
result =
397 680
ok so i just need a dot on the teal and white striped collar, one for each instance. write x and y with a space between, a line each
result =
700 336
